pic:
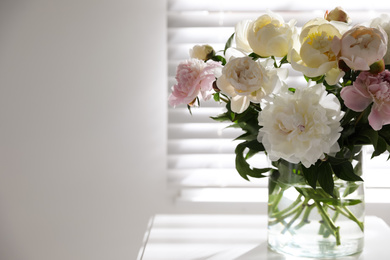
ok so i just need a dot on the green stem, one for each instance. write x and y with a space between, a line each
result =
298 213
305 218
272 207
335 217
360 117
322 227
275 64
275 202
283 222
351 216
281 218
223 99
329 222
286 210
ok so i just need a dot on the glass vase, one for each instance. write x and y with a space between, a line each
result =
311 223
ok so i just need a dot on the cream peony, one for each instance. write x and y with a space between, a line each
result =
337 14
202 52
301 126
246 80
384 22
269 35
241 36
360 47
315 56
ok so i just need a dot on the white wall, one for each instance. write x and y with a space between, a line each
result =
82 126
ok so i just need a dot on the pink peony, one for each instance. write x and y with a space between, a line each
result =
194 77
369 88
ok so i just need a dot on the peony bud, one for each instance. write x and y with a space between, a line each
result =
202 52
377 67
337 14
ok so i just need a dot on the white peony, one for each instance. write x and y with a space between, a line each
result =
241 36
246 80
301 126
269 35
384 22
315 56
360 47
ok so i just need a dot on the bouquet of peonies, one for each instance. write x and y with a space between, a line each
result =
343 104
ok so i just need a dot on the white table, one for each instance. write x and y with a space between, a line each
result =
238 237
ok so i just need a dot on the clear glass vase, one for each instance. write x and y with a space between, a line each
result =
311 223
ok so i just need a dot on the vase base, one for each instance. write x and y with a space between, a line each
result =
319 249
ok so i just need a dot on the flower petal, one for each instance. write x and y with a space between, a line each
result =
353 99
239 104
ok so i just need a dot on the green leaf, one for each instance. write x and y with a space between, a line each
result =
318 79
246 137
216 97
325 177
189 109
311 175
345 171
381 147
379 143
250 154
255 56
228 43
221 117
283 61
336 160
349 114
219 58
243 166
372 135
350 188
255 145
385 133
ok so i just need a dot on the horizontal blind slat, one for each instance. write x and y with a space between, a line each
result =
277 6
199 114
191 35
206 130
201 146
212 178
194 161
229 19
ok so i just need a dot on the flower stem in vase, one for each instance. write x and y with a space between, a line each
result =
328 222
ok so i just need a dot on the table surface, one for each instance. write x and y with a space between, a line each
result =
238 237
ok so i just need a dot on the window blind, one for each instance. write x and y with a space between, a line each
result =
201 151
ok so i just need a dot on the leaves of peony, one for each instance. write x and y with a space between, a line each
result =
321 172
345 171
246 121
228 43
243 166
